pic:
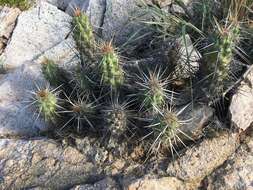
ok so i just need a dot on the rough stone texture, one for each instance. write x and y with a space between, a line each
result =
95 9
43 164
106 184
188 63
241 107
8 17
33 39
38 30
199 118
165 183
236 173
117 20
200 160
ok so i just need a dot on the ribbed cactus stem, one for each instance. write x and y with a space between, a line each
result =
83 34
47 104
227 43
53 73
111 70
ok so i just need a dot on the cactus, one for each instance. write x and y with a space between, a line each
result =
55 75
152 88
46 101
83 35
110 68
81 112
116 121
166 129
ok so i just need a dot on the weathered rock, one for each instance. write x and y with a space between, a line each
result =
241 107
8 18
43 164
188 58
117 20
33 39
200 160
236 173
106 184
198 118
95 9
38 30
165 183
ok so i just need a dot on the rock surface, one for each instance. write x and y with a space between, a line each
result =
236 172
38 30
106 184
44 164
199 161
189 57
117 23
38 34
165 183
8 18
95 9
241 107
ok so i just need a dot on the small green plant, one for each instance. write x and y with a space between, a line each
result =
153 90
22 4
53 73
47 103
110 68
2 67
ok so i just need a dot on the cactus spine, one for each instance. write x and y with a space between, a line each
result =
111 70
83 35
47 103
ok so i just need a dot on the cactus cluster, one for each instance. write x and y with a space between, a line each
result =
106 95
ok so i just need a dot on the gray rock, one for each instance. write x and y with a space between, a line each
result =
241 107
188 62
156 183
106 184
43 164
199 161
95 9
61 4
117 20
8 17
33 39
38 30
236 173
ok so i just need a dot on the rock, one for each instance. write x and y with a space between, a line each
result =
33 39
241 107
188 62
8 18
199 161
43 164
106 184
117 20
38 30
200 116
95 9
164 183
236 173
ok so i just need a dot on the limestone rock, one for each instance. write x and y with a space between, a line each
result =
241 107
8 18
42 164
200 160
